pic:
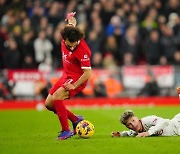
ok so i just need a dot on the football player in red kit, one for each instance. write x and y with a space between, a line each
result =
77 70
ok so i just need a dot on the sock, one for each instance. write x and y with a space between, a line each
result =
71 116
62 114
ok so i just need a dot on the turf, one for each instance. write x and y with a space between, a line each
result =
33 132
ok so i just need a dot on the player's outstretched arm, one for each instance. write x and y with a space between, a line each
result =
143 134
124 133
71 19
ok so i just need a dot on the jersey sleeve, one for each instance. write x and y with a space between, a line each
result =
84 57
128 133
156 124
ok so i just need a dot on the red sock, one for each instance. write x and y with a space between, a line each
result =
71 116
62 114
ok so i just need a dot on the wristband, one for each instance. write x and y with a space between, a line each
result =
69 15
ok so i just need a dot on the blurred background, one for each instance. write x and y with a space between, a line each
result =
135 47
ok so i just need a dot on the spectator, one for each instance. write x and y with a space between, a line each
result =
56 13
109 62
108 10
151 87
114 25
43 23
176 60
27 47
26 26
97 60
3 38
172 6
149 23
56 55
37 13
111 47
94 41
163 61
12 55
28 62
99 89
43 47
130 42
168 43
152 48
128 59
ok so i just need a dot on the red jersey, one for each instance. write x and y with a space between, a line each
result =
75 61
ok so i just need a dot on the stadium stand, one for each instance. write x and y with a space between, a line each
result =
125 36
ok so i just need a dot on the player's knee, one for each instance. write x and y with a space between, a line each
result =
48 105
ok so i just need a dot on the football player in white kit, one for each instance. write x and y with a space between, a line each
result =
148 126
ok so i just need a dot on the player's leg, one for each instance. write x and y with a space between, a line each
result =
54 102
49 103
71 116
61 111
58 97
50 106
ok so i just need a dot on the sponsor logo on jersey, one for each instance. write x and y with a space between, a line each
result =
85 58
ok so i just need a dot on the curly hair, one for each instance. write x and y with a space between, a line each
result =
71 33
125 116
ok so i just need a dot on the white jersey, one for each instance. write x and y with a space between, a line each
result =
158 126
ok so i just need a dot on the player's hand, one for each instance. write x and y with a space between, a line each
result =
178 91
69 86
70 19
115 134
143 134
69 15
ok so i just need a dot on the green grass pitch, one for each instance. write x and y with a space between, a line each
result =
33 132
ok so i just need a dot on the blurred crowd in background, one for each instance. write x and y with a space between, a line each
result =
119 32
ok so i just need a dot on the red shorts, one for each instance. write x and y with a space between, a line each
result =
60 83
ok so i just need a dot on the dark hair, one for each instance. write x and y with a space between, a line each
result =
71 33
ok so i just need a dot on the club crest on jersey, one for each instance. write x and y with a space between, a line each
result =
64 56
